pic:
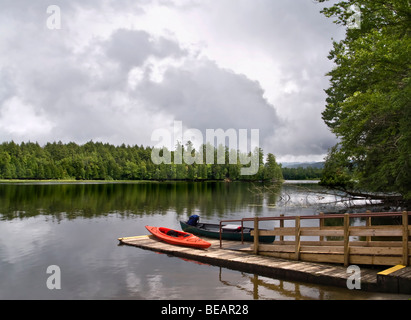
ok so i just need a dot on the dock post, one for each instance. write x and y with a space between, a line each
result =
405 238
242 231
281 226
221 237
368 224
346 239
321 225
297 238
256 240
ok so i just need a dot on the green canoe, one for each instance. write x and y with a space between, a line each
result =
229 232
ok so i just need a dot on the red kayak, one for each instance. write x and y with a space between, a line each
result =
178 237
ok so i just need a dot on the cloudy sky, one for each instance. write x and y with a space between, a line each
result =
116 70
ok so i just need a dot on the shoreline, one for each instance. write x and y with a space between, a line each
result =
73 181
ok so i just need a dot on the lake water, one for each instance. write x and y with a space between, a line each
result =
75 226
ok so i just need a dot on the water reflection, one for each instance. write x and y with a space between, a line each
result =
95 199
259 287
209 199
75 226
263 288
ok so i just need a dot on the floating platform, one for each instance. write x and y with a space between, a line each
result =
235 255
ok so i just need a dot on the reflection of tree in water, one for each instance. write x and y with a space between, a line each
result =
311 195
71 200
276 288
211 200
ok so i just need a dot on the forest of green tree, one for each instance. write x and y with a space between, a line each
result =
301 173
103 161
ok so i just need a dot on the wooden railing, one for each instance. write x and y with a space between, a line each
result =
374 244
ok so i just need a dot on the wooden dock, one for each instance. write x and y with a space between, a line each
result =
235 255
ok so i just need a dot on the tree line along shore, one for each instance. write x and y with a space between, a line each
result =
103 161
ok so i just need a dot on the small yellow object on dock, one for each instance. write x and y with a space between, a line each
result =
391 270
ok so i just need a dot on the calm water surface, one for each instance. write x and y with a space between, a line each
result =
76 225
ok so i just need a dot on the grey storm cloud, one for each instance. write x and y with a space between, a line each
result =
113 77
131 48
204 96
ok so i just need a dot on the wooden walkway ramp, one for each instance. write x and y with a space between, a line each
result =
240 257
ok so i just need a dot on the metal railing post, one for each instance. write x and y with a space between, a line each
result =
346 239
256 240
